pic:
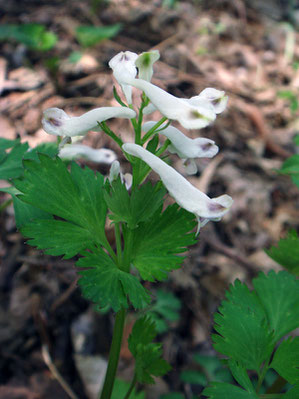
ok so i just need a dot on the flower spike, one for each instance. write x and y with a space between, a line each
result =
186 195
123 66
190 116
59 123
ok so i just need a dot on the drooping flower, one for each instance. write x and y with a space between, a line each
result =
190 116
145 62
216 98
101 155
186 195
57 122
115 171
123 66
186 148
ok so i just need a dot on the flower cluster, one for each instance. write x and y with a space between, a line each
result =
194 113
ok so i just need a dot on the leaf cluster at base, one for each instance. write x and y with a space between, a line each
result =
249 326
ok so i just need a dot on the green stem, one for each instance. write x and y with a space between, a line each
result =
128 251
111 134
114 355
153 129
118 243
132 385
262 376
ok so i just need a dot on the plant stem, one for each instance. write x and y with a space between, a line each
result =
113 355
118 243
111 134
133 383
5 204
262 376
152 130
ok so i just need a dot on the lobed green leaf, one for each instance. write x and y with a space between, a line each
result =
286 360
222 390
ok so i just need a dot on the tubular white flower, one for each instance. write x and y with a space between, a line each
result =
217 98
145 62
182 145
190 116
74 151
115 171
123 66
186 195
57 122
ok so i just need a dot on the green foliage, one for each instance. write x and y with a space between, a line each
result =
286 360
242 331
146 353
24 213
249 325
106 285
90 35
279 296
291 97
34 36
135 208
157 242
222 390
120 389
11 162
50 149
165 309
293 393
173 395
76 197
286 253
291 167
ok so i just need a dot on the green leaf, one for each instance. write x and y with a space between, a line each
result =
293 393
296 139
50 149
5 143
166 308
147 354
240 375
157 242
135 208
193 377
120 389
219 390
279 295
103 283
11 163
91 35
243 334
287 252
32 35
76 197
291 167
286 360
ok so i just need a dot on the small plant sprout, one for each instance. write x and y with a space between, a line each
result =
63 209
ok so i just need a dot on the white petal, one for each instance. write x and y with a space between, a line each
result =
185 147
190 167
123 66
186 195
56 121
216 97
73 151
191 117
114 171
145 63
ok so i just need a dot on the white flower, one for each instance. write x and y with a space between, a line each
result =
123 66
115 171
186 148
57 122
215 98
145 62
186 195
190 116
74 151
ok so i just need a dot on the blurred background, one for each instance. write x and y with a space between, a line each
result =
55 54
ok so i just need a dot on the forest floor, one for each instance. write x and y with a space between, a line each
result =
43 317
